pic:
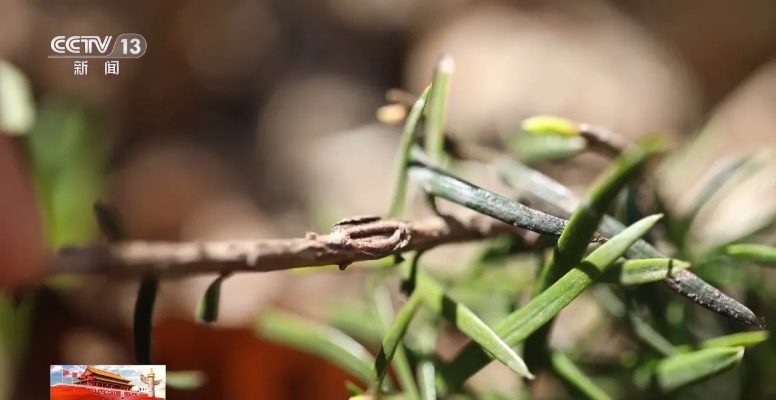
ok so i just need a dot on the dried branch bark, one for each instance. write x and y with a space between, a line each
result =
350 240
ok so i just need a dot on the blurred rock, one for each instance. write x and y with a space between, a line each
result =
226 43
353 172
84 344
584 61
740 126
722 41
300 116
15 17
163 183
394 15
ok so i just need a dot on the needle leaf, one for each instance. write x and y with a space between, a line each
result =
523 322
685 369
318 339
641 271
558 199
467 322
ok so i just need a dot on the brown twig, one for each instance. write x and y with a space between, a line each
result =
350 240
599 139
604 141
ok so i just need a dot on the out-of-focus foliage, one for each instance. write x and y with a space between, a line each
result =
67 153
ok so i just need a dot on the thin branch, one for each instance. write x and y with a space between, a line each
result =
603 140
350 240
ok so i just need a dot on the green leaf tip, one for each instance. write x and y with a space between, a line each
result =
353 389
685 369
436 109
610 251
744 339
407 140
186 380
753 252
552 125
144 314
109 220
208 308
741 339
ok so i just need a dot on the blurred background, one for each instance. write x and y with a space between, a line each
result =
256 119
